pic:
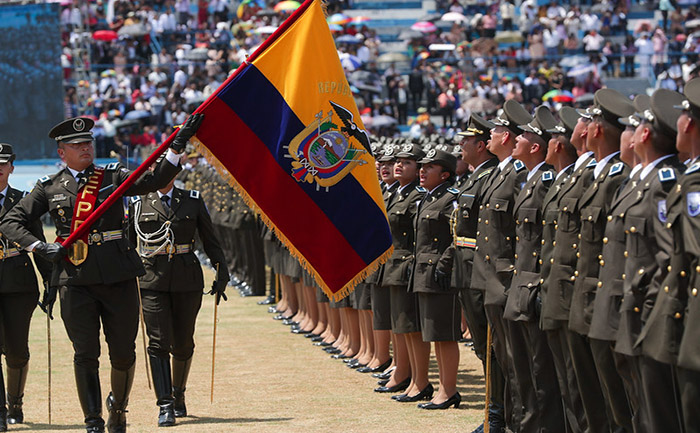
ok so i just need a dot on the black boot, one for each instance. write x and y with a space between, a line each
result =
162 384
181 369
87 381
119 398
16 379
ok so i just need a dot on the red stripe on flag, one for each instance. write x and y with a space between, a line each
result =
278 195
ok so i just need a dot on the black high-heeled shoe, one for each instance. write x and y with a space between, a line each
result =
384 375
455 400
316 339
383 382
425 394
396 388
311 335
375 369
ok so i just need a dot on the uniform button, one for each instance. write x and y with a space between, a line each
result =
677 315
683 274
430 261
540 261
565 208
541 280
574 246
534 254
668 268
694 291
554 243
579 235
477 233
435 239
487 205
605 240
526 220
486 238
404 233
403 257
508 238
624 276
479 220
544 222
576 273
517 238
640 271
622 215
600 284
481 207
697 269
668 225
636 309
517 222
427 216
551 260
602 263
626 254
486 222
515 256
609 217
529 284
666 289
590 218
542 242
633 229
515 272
487 257
573 278
476 248
600 256
556 226
498 205
578 255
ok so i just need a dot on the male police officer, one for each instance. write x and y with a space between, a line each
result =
98 280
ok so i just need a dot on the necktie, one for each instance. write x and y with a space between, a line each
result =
82 179
166 202
2 196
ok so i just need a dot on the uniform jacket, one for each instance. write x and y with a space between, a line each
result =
433 239
550 212
17 273
605 319
495 252
401 211
594 207
647 243
465 223
188 217
522 293
661 335
107 262
561 277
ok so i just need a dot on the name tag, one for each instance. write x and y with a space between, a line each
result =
58 197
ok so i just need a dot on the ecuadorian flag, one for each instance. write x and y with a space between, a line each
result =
286 130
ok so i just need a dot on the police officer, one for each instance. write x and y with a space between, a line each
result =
473 142
647 243
97 282
166 222
495 238
19 294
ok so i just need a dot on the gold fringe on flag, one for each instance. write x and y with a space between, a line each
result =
347 288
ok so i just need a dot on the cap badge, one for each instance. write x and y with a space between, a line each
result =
79 124
431 153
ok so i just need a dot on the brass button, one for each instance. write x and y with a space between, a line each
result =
694 291
515 256
565 208
578 255
556 226
481 207
542 242
636 309
487 257
609 217
640 271
579 235
515 272
403 257
526 220
551 260
478 232
479 220
534 254
508 238
666 289
602 263
668 268
683 274
476 248
624 276
498 205
540 261
573 278
435 239
600 284
554 243
677 315
486 238
576 273
622 215
605 240
574 246
404 233
600 256
430 261
427 216
697 269
626 254
529 284
517 222
487 205
633 229
517 239
486 222
590 217
668 225
544 222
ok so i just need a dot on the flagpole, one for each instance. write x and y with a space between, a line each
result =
119 192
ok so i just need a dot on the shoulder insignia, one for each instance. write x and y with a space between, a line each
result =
194 194
485 173
454 191
44 179
666 174
518 165
693 168
547 176
616 169
112 166
421 189
693 203
591 163
662 213
135 199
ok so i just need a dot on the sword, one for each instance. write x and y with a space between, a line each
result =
213 345
48 339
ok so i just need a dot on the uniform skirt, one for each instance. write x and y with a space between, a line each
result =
362 296
404 312
440 316
381 308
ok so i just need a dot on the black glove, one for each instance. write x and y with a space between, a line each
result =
218 288
48 299
186 132
442 279
53 252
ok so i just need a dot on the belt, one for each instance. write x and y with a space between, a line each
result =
465 242
10 252
98 237
171 249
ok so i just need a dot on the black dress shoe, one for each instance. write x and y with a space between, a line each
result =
396 388
281 317
316 338
333 351
299 331
267 301
384 375
398 396
322 343
376 369
356 365
311 335
455 400
289 322
383 382
425 394
340 356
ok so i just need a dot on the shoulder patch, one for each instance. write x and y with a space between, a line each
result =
661 211
693 203
45 179
547 176
112 166
194 194
421 189
693 168
591 163
518 165
485 173
667 174
616 169
452 190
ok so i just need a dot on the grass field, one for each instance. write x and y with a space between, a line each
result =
267 379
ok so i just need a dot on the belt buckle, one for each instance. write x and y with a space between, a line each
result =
95 238
2 252
171 249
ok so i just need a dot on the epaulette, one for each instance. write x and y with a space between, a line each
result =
547 176
616 169
45 179
485 173
421 189
452 190
666 174
693 168
591 163
194 194
518 165
135 199
112 166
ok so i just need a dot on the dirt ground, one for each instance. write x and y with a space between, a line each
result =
266 379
